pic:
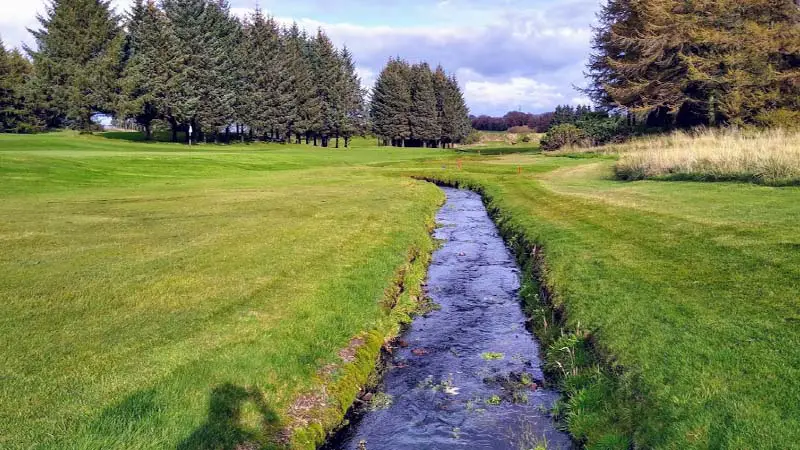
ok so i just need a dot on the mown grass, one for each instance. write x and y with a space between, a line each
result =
766 157
686 293
155 295
160 296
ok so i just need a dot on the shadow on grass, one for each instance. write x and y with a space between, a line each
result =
238 418
137 136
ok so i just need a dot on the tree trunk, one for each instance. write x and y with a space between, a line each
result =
174 126
147 132
337 140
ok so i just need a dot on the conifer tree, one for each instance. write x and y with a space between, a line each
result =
440 86
146 75
424 117
391 103
314 107
700 62
297 64
326 74
16 110
350 113
78 59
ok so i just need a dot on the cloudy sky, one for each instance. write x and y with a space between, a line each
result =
507 54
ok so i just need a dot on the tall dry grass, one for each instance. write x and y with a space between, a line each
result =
766 157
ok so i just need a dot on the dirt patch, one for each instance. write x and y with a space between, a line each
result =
348 354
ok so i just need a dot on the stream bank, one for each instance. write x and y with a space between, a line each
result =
467 374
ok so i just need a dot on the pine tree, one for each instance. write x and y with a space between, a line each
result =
78 59
260 44
391 103
700 62
144 77
440 86
564 114
313 114
326 73
424 118
301 77
350 118
16 111
462 125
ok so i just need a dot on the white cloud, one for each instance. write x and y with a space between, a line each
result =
17 16
513 54
517 92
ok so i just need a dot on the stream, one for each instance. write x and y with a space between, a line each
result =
467 375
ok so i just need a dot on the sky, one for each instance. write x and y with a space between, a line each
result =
507 54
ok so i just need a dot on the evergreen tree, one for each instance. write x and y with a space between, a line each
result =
413 106
261 47
565 114
440 86
699 62
16 111
326 74
78 59
424 116
146 74
350 118
297 63
313 114
391 103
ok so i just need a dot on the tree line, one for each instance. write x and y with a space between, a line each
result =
413 105
539 123
193 67
702 62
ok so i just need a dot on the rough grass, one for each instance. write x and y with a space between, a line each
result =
687 292
160 296
767 157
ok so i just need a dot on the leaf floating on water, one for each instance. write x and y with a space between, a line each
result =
419 352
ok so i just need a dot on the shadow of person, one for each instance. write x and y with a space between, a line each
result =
226 428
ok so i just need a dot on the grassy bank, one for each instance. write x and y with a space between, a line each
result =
680 300
155 295
767 157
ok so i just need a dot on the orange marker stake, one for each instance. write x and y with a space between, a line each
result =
459 164
519 170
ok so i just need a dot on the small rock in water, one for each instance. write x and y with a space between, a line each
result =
419 351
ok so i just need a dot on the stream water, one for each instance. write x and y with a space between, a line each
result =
468 375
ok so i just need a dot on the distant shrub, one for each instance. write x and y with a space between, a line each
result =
603 129
519 130
563 135
525 138
472 138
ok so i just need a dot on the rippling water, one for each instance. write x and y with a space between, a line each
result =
467 376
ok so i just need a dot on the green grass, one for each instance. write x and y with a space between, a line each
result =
690 289
150 292
155 295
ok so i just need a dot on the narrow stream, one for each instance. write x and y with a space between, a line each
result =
466 376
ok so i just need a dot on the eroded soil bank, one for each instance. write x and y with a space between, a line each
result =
467 374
